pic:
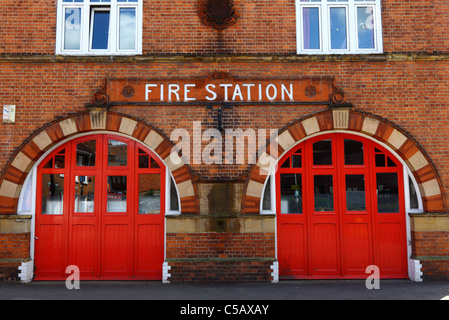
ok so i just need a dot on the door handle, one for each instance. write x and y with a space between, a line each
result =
36 238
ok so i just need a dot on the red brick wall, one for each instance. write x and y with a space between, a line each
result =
411 94
220 256
220 245
432 249
14 245
264 26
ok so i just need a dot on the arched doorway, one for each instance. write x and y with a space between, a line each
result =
340 208
100 206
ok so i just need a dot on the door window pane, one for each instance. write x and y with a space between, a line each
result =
84 193
355 192
353 152
296 161
322 152
100 29
311 28
365 25
324 193
144 161
149 193
127 31
387 192
60 160
291 193
338 28
52 194
116 193
85 153
72 29
117 153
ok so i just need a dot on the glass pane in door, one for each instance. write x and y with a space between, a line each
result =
84 193
291 193
52 194
149 193
116 193
117 153
387 192
355 192
85 153
322 152
324 193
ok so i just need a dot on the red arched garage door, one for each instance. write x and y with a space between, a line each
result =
340 204
100 206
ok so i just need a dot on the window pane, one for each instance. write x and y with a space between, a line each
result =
322 152
324 193
149 193
353 152
291 193
116 196
85 153
144 161
100 30
72 29
117 153
84 193
296 161
174 204
365 25
127 32
338 27
387 192
413 195
355 192
380 160
286 163
266 201
52 194
311 28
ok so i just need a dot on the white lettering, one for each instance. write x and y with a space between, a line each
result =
225 86
285 91
187 90
275 92
237 92
173 88
248 89
148 90
214 95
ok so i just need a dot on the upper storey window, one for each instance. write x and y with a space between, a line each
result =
99 27
338 26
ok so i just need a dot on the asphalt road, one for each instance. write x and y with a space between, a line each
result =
282 291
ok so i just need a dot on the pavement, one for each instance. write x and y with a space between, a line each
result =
283 291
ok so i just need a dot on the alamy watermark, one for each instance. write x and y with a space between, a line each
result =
73 280
227 147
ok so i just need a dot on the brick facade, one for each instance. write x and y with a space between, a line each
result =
399 98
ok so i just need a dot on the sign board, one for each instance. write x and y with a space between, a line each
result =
219 88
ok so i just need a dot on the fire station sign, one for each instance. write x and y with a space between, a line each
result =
219 88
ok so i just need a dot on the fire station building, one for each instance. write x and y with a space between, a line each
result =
207 141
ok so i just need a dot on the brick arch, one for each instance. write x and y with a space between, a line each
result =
40 141
380 129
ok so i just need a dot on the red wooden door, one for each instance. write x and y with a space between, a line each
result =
340 204
103 210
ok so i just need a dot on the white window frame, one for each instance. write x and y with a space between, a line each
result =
351 27
87 8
